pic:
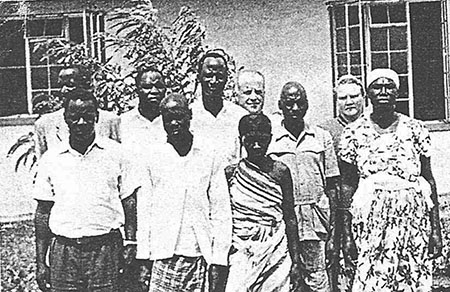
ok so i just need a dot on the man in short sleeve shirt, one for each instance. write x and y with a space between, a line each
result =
84 196
308 152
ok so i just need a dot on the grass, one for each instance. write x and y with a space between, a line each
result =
18 257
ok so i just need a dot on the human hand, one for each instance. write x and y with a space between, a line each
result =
217 277
129 254
295 276
435 244
43 277
145 273
349 249
332 249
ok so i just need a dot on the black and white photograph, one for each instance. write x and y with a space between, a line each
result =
225 145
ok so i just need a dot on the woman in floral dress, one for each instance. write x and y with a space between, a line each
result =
389 193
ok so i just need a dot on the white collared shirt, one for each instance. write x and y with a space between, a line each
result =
86 189
138 131
194 186
224 128
51 129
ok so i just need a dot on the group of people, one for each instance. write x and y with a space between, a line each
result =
217 196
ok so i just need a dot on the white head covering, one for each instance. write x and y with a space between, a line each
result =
383 72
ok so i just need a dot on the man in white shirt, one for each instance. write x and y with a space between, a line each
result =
51 129
184 214
84 196
212 114
143 125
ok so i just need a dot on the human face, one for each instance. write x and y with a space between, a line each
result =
251 93
256 144
176 120
293 103
350 101
213 77
383 94
151 89
80 117
68 79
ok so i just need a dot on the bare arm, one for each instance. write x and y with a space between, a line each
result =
435 245
43 238
349 184
289 214
129 207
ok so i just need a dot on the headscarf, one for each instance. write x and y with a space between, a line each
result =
383 72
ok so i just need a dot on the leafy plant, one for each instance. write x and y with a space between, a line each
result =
174 50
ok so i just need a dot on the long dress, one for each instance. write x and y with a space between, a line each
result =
391 205
259 260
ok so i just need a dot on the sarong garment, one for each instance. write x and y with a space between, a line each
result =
260 259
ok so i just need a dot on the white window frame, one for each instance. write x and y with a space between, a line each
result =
365 42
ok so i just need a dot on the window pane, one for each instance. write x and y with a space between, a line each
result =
379 60
403 92
76 30
355 58
342 70
399 62
37 51
378 14
341 41
35 27
397 13
355 70
354 39
12 44
342 59
39 78
53 27
402 107
13 92
397 38
353 15
378 39
339 16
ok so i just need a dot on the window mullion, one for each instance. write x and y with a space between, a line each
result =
28 73
410 67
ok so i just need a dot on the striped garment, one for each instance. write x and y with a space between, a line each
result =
260 259
178 273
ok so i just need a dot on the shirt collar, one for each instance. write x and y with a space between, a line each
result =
66 148
281 132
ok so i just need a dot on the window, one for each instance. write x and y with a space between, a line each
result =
24 73
410 37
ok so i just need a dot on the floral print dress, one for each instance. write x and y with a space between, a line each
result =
391 205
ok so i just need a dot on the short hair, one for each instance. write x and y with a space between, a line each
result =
82 77
79 94
255 122
180 99
349 79
143 70
215 53
293 84
245 71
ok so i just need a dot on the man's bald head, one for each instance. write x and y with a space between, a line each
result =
251 90
293 101
176 116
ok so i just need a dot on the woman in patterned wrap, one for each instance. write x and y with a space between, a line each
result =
264 254
386 169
